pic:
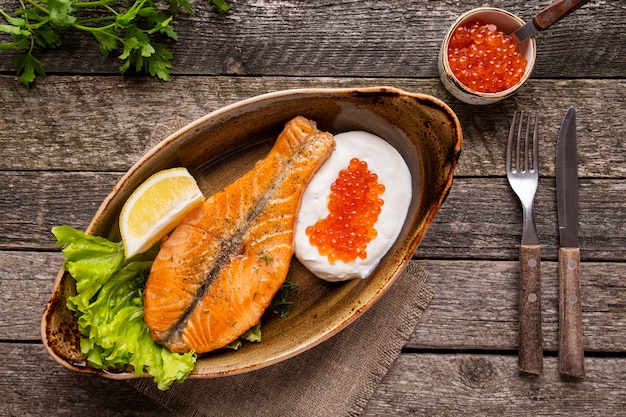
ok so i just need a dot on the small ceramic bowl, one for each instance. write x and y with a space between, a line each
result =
221 146
507 23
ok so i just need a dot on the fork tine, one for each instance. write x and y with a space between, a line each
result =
526 148
518 154
535 143
509 147
522 153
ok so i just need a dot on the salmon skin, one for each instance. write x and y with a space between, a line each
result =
217 272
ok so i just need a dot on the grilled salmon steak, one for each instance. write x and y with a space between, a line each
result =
217 272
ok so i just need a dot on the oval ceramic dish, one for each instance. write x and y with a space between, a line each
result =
221 146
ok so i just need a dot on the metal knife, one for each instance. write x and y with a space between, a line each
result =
571 353
548 16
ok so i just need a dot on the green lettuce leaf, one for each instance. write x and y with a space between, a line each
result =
109 307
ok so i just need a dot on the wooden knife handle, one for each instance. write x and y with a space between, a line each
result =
571 352
556 11
530 358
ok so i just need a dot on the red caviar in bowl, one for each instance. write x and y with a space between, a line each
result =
354 205
485 59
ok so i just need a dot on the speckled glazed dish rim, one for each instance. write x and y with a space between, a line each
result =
222 145
506 22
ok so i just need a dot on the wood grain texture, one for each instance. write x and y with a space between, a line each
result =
475 304
571 344
530 340
480 219
556 11
417 385
32 384
352 38
64 145
63 125
489 385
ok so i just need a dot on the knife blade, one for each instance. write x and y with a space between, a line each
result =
571 353
547 17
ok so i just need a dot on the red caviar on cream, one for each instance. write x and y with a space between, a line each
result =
353 209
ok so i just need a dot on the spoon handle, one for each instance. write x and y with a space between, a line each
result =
556 11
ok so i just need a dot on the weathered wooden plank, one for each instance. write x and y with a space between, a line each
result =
481 217
32 384
32 202
26 283
79 120
490 385
349 38
474 307
416 385
108 123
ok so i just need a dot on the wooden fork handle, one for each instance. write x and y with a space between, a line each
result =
530 358
556 11
571 352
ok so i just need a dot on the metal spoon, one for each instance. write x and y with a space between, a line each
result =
545 18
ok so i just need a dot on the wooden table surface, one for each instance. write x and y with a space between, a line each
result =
65 144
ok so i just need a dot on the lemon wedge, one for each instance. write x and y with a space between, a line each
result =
156 207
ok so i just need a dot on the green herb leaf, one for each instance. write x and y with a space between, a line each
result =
27 68
159 63
15 21
221 5
34 15
19 42
124 67
285 299
61 13
174 4
107 40
160 22
130 44
46 37
126 20
14 30
147 50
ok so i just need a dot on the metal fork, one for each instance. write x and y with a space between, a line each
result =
522 172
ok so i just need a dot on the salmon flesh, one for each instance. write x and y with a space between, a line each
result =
218 271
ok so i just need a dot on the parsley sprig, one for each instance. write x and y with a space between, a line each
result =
132 29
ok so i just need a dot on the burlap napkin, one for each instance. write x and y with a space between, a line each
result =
335 378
